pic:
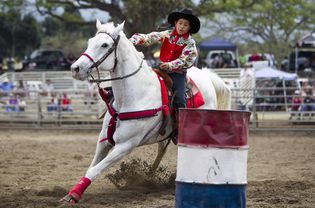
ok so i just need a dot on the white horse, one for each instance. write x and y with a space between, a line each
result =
136 88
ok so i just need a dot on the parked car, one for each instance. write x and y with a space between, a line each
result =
43 59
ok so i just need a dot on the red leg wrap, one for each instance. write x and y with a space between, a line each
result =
80 187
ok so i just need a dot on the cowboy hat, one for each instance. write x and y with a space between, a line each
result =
185 14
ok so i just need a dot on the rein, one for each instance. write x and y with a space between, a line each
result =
115 115
118 78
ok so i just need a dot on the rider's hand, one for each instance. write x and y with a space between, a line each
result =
164 66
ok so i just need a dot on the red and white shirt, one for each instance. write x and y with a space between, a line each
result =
179 51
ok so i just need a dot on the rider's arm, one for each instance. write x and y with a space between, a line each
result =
148 39
186 59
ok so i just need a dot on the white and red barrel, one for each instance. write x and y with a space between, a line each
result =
212 158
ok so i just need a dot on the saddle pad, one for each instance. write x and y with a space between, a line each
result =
196 100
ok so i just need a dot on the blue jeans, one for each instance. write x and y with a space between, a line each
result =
179 87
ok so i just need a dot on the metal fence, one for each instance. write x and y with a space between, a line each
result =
269 112
39 111
272 108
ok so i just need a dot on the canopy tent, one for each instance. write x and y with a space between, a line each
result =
306 41
271 73
218 44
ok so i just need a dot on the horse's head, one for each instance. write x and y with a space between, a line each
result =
101 51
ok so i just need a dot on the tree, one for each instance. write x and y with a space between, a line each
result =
270 24
133 12
18 34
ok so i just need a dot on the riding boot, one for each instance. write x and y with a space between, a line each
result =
176 121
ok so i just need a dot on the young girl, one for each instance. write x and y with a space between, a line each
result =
178 51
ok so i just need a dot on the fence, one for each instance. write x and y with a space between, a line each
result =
40 112
270 107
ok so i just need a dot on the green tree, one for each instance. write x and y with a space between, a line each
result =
133 12
18 34
270 25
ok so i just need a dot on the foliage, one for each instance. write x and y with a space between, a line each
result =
268 26
70 43
18 34
272 25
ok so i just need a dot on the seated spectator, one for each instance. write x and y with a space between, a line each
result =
53 104
6 87
296 101
15 104
66 103
308 102
47 88
20 89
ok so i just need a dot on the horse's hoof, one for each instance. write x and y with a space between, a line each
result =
70 199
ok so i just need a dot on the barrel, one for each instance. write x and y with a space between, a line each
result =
212 159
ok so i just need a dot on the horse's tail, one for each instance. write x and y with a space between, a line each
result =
223 91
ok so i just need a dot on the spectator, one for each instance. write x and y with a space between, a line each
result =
47 88
254 57
92 93
6 87
308 102
218 62
66 103
53 104
296 103
305 88
243 59
15 104
227 59
20 89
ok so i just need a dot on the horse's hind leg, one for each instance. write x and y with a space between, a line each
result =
162 146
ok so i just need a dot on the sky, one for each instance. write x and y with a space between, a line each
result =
87 14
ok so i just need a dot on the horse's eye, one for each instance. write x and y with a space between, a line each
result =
104 45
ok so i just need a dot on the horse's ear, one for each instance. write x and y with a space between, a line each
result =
118 29
98 24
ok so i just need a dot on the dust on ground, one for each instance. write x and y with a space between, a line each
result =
38 167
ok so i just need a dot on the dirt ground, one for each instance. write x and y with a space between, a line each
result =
39 167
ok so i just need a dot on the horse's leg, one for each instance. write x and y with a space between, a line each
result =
118 152
162 146
102 149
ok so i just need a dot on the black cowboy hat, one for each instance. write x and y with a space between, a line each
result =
185 14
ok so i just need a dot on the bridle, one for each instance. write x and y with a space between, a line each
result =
95 64
115 115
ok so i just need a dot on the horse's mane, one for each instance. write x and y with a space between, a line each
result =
109 27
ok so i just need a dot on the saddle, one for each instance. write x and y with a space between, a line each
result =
193 95
194 100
